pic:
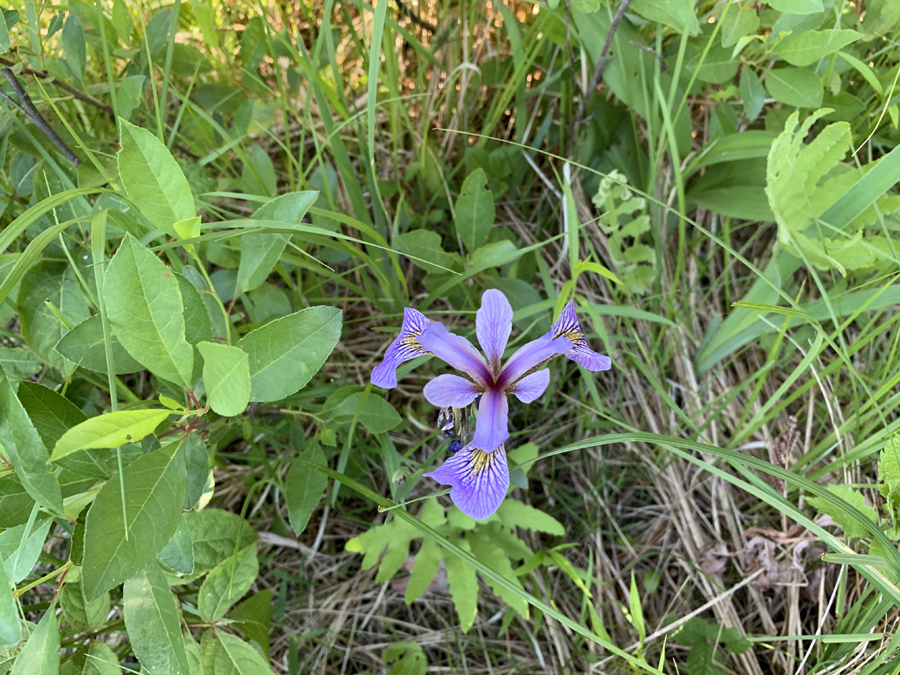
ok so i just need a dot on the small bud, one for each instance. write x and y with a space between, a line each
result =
455 446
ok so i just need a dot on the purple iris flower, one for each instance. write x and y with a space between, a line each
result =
478 473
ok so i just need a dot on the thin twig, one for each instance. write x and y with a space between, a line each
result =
656 55
602 62
31 112
80 95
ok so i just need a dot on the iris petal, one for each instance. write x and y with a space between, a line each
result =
478 480
491 427
404 348
451 391
531 386
567 326
455 351
531 356
493 324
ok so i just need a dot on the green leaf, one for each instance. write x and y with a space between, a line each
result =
15 502
409 657
226 376
224 654
196 319
753 94
99 659
395 536
796 6
376 415
26 452
83 346
491 554
111 430
214 534
850 526
227 583
51 414
196 459
259 254
795 87
474 211
145 310
679 14
40 655
72 41
424 248
83 614
304 488
19 363
738 22
513 513
153 179
153 624
4 35
286 353
463 587
10 627
254 616
155 486
178 553
20 550
425 567
807 47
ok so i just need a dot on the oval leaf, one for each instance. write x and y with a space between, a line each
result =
226 376
111 430
304 488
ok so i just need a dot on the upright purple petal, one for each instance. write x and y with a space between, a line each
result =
455 351
478 480
493 324
567 326
404 348
491 427
530 387
531 357
451 391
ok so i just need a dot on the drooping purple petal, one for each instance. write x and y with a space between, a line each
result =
451 391
530 357
455 351
478 480
404 348
567 326
493 324
531 386
491 427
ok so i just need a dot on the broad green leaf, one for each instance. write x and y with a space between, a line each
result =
376 415
10 627
474 211
227 583
15 502
807 47
395 536
286 353
40 655
153 179
226 377
409 656
795 87
753 94
489 552
196 459
99 659
495 254
19 363
463 587
254 617
513 513
178 553
796 6
26 452
52 414
4 35
83 346
82 613
154 492
72 42
425 250
41 329
20 549
288 208
738 22
153 623
196 319
224 654
425 567
679 14
214 535
111 430
304 488
855 499
145 310
259 254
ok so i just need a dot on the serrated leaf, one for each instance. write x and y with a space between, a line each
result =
489 553
304 488
227 583
26 452
224 654
155 486
145 311
82 613
84 346
40 655
394 536
286 353
808 46
850 526
10 627
111 430
409 657
463 587
513 513
474 211
226 376
425 567
153 623
153 179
